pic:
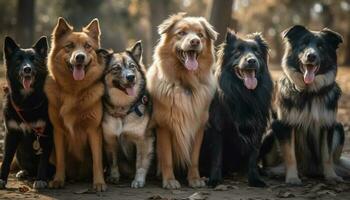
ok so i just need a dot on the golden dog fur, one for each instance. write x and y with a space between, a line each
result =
75 107
181 97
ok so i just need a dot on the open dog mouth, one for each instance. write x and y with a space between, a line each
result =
309 72
248 76
78 70
189 58
27 81
129 89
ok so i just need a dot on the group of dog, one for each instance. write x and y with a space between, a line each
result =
78 111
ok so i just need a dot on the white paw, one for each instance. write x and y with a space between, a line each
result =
196 183
39 184
137 183
171 184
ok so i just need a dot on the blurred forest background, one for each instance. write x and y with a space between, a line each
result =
124 21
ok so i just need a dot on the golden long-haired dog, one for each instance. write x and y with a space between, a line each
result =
181 85
74 89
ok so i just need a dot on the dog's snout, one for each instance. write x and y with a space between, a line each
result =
251 61
79 58
311 57
27 69
195 42
130 77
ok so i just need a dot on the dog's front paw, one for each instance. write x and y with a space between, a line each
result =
21 175
256 182
100 187
171 184
293 181
334 179
2 184
39 184
196 183
114 176
215 178
56 184
138 183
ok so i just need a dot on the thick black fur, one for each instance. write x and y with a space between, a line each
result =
34 106
297 97
238 116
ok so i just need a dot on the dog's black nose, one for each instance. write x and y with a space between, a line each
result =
79 58
311 57
27 69
130 78
195 42
251 61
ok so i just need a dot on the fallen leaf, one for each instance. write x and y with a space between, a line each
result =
196 196
285 194
23 189
85 191
318 187
221 188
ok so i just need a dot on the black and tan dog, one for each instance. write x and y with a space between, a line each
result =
240 110
127 111
28 129
307 97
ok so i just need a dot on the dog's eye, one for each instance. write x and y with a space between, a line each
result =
132 66
87 46
255 49
31 57
182 33
200 35
69 46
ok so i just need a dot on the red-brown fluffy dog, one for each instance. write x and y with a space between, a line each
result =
74 90
181 84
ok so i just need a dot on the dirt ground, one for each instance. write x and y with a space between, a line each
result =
234 187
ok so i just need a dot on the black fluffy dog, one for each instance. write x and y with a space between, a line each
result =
240 110
28 130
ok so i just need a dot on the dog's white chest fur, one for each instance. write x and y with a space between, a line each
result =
14 125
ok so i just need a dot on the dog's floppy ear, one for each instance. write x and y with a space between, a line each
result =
294 32
10 47
332 38
230 36
261 42
61 28
93 29
167 24
209 29
41 46
136 51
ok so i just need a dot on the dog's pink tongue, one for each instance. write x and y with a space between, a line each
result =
131 91
250 80
26 83
309 75
191 62
78 73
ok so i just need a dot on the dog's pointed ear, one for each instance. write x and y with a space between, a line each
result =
209 29
104 53
294 32
167 24
41 47
260 40
93 29
230 36
62 27
136 51
10 47
332 38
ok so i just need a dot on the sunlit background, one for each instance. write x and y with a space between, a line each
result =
124 21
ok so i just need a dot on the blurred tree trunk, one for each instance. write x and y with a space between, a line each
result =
159 10
25 22
220 16
347 49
